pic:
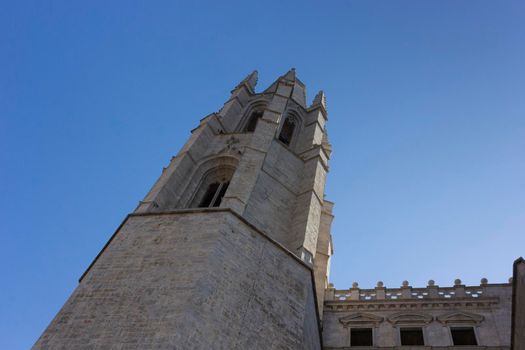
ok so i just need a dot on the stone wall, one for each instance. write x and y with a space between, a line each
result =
198 279
486 308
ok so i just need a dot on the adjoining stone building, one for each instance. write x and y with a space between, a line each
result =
432 316
231 249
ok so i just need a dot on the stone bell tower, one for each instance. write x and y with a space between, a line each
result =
230 248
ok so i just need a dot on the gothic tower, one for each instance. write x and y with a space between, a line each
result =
230 248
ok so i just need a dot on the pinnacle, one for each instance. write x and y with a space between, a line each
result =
320 99
250 80
290 75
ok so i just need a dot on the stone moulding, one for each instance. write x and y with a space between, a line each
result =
360 318
429 304
409 318
460 317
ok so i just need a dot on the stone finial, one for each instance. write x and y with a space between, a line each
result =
355 285
431 283
250 80
330 285
379 284
320 99
457 282
510 280
405 283
484 281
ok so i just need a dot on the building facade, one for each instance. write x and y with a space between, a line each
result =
231 249
436 317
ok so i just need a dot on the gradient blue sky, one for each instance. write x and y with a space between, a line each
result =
426 117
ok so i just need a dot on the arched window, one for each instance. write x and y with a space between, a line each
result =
252 122
214 194
287 130
213 187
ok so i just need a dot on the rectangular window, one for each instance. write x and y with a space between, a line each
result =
412 336
463 336
361 337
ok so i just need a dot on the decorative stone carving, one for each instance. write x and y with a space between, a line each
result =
410 318
232 146
460 317
360 319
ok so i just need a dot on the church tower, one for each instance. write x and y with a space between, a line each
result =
230 248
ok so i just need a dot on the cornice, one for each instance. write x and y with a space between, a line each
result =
414 304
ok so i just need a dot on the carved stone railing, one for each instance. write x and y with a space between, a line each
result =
405 292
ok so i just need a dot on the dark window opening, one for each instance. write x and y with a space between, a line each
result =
214 194
463 336
361 337
252 122
412 336
210 193
222 191
287 131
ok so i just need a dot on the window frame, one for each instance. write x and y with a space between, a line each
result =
362 328
462 326
217 195
412 327
294 120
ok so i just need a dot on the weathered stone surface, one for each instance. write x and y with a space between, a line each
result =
189 280
485 309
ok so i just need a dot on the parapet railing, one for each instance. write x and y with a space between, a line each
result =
432 291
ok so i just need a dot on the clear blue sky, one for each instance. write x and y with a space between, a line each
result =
426 103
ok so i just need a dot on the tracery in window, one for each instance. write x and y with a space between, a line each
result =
214 194
212 188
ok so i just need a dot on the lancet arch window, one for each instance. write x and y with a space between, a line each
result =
212 188
288 129
251 124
